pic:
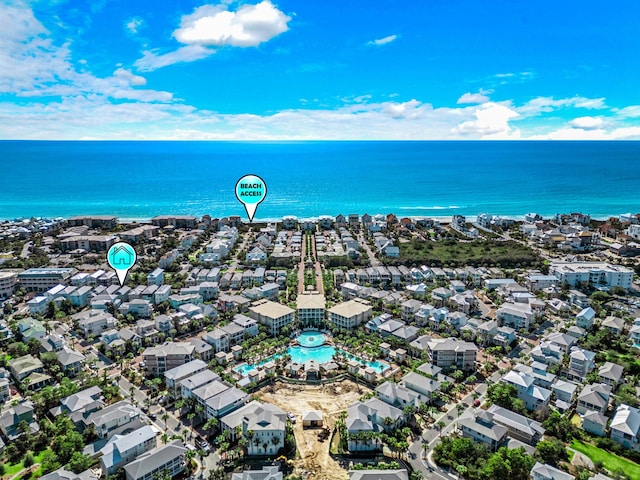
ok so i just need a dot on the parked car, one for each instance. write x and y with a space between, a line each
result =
202 444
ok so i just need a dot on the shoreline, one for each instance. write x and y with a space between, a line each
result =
439 218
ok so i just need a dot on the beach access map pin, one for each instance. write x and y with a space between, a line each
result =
250 191
121 257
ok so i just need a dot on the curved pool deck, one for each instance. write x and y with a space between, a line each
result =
311 346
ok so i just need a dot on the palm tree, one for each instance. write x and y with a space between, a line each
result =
440 425
165 438
265 445
275 441
165 417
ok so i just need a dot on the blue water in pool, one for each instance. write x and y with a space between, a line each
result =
301 354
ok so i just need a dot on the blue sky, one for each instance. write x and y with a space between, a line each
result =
293 69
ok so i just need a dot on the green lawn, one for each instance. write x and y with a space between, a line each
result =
610 461
12 469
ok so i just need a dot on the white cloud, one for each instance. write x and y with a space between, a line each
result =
587 123
248 26
134 25
632 111
491 121
382 41
151 60
511 77
469 98
539 105
130 78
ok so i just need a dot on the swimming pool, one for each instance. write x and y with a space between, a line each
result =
311 339
301 354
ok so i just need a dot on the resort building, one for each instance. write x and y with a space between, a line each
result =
595 274
8 281
350 314
448 352
311 309
164 357
272 314
42 279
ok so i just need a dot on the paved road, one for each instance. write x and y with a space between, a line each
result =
431 435
173 425
372 257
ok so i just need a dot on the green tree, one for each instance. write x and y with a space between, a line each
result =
551 451
79 462
49 462
28 460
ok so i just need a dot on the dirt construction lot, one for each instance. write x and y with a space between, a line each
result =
314 461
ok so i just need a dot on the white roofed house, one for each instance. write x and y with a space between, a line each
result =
625 427
268 424
516 315
111 420
176 374
361 428
122 449
581 363
533 396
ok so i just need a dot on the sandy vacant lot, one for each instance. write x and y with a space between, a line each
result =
315 461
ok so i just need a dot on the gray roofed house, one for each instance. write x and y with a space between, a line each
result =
62 474
383 410
269 472
482 428
397 395
122 449
110 419
88 400
542 471
520 427
170 457
625 427
176 374
614 324
594 397
208 390
70 361
11 418
189 384
378 474
425 387
610 373
361 418
225 402
594 423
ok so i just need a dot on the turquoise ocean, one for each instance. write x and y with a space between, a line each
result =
138 180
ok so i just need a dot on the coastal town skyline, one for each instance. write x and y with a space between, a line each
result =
284 70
